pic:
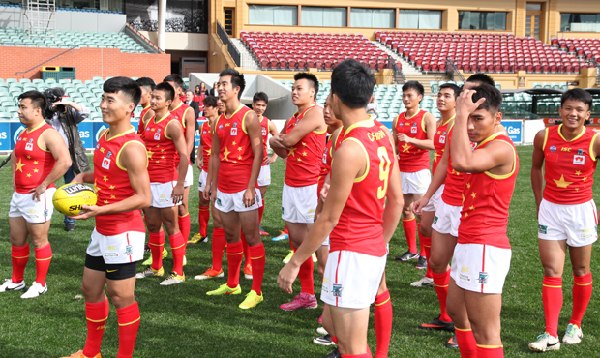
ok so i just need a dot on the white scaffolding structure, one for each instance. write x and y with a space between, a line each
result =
38 15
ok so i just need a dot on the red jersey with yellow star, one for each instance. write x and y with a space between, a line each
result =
454 184
333 142
113 184
487 196
141 123
264 131
411 158
162 155
206 143
360 226
442 134
236 155
570 166
304 159
179 113
32 163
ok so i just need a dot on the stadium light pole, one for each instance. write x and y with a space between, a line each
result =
162 11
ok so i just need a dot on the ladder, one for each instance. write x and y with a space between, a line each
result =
38 16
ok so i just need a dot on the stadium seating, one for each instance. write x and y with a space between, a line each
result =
475 52
588 49
299 51
55 38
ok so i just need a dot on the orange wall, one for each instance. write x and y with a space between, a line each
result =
88 62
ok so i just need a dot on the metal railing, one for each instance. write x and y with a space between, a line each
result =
141 39
233 52
452 71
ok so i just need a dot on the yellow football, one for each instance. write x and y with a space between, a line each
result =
69 198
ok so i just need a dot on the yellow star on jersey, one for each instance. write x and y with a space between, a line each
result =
209 152
105 178
149 154
562 183
584 178
240 149
304 144
163 157
233 143
471 207
304 154
102 150
468 185
105 201
112 187
226 153
29 157
20 166
112 196
291 152
35 170
29 175
36 162
473 195
578 172
466 214
239 157
405 147
299 160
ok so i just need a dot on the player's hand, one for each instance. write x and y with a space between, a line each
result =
324 192
177 193
272 158
37 192
199 164
86 212
418 205
404 138
206 194
465 105
287 276
249 197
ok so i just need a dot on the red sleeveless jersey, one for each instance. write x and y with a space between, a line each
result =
141 123
112 184
264 131
162 155
304 159
439 140
487 196
206 143
332 143
236 153
411 158
179 113
570 166
32 163
360 227
454 185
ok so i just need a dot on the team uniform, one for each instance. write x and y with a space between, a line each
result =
142 123
264 176
32 166
439 142
482 255
301 174
358 250
413 162
206 143
179 114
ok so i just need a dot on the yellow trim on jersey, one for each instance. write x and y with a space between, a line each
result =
174 109
395 122
575 138
414 115
423 126
305 111
162 119
45 149
244 122
365 123
183 118
488 139
320 132
234 112
591 149
507 175
35 128
448 121
364 175
166 135
546 133
123 147
129 131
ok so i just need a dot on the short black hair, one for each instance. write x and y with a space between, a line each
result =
37 99
175 78
210 101
493 97
260 96
353 83
237 79
146 82
454 87
167 89
577 94
311 78
414 85
123 84
482 78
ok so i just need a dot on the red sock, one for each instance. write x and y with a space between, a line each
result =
421 241
178 242
490 351
552 298
95 315
440 283
185 226
426 245
43 256
20 256
156 241
307 277
410 232
245 243
129 322
334 339
466 342
261 210
383 323
203 217
362 355
218 248
257 255
582 292
235 251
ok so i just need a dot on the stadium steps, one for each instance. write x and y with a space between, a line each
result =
248 61
407 68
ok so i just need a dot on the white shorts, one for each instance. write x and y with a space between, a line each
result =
264 176
189 177
161 194
417 182
299 204
235 202
480 268
202 178
435 199
117 249
575 223
447 218
351 279
33 211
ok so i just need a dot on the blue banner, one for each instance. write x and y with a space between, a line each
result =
15 129
5 136
86 133
514 128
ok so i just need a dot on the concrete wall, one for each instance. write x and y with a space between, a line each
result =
180 40
69 20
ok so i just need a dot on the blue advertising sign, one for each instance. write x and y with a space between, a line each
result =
15 129
5 137
86 133
514 128
99 127
135 124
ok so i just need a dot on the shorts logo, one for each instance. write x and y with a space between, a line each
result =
282 210
219 202
542 229
337 290
579 159
464 274
483 278
129 250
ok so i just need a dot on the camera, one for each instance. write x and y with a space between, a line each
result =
54 95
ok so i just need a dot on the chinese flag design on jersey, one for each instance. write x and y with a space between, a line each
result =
178 114
113 184
162 155
206 143
570 166
32 163
410 158
454 185
440 138
141 123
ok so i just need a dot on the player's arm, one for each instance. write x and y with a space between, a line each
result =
274 132
199 157
190 129
55 144
253 129
312 121
134 159
395 132
394 202
537 164
349 161
439 177
276 143
429 122
174 132
213 164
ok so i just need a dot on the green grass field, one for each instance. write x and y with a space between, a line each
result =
181 321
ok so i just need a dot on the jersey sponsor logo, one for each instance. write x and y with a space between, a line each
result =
413 130
336 290
233 130
106 160
542 229
442 139
565 149
579 159
483 278
263 131
553 148
29 145
157 134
